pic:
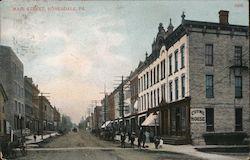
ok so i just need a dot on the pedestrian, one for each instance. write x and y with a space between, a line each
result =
143 139
140 138
123 137
132 139
34 138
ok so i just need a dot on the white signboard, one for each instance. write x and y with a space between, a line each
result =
198 115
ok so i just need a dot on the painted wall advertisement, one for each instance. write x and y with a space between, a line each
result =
198 115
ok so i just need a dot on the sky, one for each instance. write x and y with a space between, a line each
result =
72 49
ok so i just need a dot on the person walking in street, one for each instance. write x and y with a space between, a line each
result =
132 139
143 139
34 138
123 138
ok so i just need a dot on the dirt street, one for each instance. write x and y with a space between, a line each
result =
84 146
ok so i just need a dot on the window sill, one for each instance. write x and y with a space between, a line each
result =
239 97
209 65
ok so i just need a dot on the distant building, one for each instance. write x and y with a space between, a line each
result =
44 109
98 117
57 118
11 70
28 103
35 106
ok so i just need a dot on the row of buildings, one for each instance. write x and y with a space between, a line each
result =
23 108
192 88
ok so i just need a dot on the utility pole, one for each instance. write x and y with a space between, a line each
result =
122 105
105 105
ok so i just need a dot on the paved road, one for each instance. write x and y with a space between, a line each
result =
83 146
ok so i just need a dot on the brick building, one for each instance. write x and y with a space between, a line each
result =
199 72
35 106
11 70
57 119
3 100
28 103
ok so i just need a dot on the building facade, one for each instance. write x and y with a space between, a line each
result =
3 100
35 105
199 75
57 119
11 69
28 103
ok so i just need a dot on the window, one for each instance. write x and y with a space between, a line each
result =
238 56
154 76
158 96
163 92
170 64
238 119
176 60
209 54
154 98
139 85
209 119
147 79
158 71
182 56
151 77
145 102
19 107
164 70
183 86
151 96
238 87
144 82
176 89
148 100
171 91
209 86
16 106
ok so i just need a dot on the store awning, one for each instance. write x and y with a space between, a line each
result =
106 124
151 120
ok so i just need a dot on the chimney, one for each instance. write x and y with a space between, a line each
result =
223 16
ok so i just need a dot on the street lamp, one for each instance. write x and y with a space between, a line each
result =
155 114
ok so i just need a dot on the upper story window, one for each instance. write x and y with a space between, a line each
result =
238 87
163 75
176 60
139 88
170 64
209 54
154 75
158 72
147 79
144 82
238 56
176 89
182 56
151 77
158 96
209 86
183 88
171 91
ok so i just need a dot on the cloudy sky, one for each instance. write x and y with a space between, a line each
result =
72 48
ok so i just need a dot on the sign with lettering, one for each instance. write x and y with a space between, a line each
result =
197 115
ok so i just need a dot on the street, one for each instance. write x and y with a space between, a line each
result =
82 145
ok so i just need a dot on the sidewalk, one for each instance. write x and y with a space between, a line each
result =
183 149
31 140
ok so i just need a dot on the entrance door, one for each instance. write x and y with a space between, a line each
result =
178 121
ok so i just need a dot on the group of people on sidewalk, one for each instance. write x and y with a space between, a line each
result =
141 139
